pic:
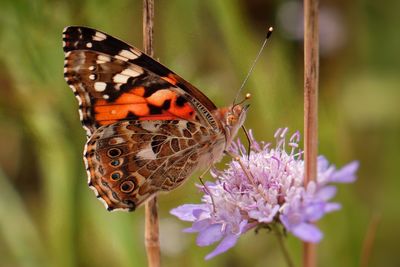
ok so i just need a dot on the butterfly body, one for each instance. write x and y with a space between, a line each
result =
148 129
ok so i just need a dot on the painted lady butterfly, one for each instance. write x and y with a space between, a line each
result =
148 129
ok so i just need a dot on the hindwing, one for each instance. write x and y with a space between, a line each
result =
130 161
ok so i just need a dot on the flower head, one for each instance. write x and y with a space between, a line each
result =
263 187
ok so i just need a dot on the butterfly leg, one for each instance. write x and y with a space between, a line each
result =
248 140
205 186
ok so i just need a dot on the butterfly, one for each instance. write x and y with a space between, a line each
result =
148 129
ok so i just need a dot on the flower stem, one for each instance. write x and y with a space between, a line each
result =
369 240
281 242
151 235
311 72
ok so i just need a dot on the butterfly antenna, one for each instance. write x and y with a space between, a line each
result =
270 30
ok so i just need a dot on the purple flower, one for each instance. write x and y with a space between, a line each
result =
262 188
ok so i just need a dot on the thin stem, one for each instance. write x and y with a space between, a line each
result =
369 240
311 72
281 242
151 234
148 23
311 69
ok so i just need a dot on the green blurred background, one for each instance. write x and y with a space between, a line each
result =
48 215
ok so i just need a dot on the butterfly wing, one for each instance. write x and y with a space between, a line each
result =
114 81
129 161
148 128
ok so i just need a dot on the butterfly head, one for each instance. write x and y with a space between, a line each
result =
233 119
235 116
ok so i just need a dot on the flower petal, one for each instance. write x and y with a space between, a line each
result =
346 174
209 235
186 212
276 190
228 242
198 226
314 211
327 192
323 163
307 232
329 207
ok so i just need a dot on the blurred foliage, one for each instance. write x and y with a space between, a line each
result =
48 216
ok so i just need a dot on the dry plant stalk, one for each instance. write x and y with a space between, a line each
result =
151 234
311 72
369 240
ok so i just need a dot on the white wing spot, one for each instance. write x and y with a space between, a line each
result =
132 72
116 141
91 68
128 54
80 114
89 45
106 96
99 36
103 59
146 153
87 164
121 58
92 77
126 73
149 126
119 78
100 86
72 87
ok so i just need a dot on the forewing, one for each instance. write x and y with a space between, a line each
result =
114 81
130 161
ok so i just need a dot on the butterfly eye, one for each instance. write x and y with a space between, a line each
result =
231 119
116 175
127 186
114 152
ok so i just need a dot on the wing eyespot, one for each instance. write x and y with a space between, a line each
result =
114 152
116 163
106 73
116 175
127 187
